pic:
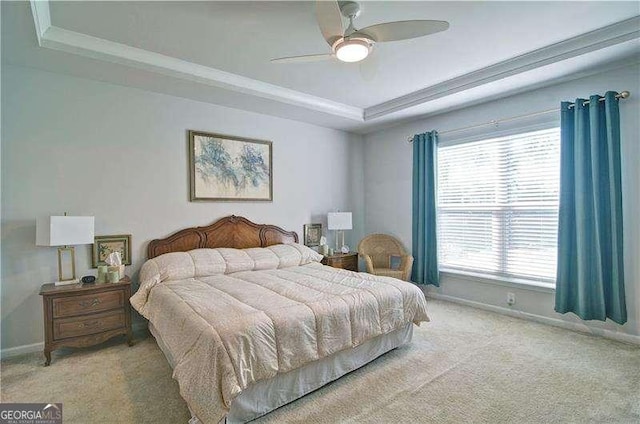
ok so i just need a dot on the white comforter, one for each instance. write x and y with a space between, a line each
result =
233 317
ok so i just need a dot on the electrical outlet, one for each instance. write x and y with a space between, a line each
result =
511 299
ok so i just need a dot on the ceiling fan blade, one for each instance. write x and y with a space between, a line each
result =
402 30
303 59
329 20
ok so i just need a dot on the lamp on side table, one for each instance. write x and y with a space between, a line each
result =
339 221
65 231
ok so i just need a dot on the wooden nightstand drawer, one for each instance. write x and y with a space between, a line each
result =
81 315
348 261
91 303
82 326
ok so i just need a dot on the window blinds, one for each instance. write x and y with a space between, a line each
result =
498 205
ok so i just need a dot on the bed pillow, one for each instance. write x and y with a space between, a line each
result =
294 255
204 262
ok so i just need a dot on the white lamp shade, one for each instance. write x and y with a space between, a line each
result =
339 221
64 230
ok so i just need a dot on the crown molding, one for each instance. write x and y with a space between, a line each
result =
604 37
623 63
41 17
56 38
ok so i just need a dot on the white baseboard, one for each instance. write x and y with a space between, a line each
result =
21 350
581 328
39 347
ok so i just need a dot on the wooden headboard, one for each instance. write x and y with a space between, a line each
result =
232 231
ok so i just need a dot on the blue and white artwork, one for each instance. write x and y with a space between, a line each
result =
225 168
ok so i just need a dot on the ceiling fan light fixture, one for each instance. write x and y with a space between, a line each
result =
352 50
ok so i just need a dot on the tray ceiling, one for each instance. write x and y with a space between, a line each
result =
225 48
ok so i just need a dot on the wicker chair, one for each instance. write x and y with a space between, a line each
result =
377 250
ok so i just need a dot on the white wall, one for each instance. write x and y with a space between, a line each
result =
120 154
388 163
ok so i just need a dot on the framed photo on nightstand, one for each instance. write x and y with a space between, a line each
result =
312 234
104 245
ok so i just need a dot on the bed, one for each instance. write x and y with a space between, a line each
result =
250 320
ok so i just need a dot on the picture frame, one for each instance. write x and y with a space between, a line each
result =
229 168
104 245
312 234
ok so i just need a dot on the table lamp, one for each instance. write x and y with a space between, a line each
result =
65 231
339 221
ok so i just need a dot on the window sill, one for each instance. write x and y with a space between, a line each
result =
499 281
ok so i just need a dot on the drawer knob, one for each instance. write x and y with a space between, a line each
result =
86 303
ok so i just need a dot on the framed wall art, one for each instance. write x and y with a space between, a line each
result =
227 168
104 245
312 234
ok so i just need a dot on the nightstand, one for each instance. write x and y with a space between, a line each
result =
348 261
82 315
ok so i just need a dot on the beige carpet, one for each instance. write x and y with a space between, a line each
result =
466 366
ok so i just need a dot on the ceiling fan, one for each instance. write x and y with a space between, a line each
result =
354 45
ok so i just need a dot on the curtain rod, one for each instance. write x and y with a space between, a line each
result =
495 122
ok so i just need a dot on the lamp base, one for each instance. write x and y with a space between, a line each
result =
66 282
71 252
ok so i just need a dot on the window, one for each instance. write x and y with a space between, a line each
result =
498 205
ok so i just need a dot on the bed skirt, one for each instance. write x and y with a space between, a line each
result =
267 395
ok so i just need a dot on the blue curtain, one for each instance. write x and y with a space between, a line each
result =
590 277
424 239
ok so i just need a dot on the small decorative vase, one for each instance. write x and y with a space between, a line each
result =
102 273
